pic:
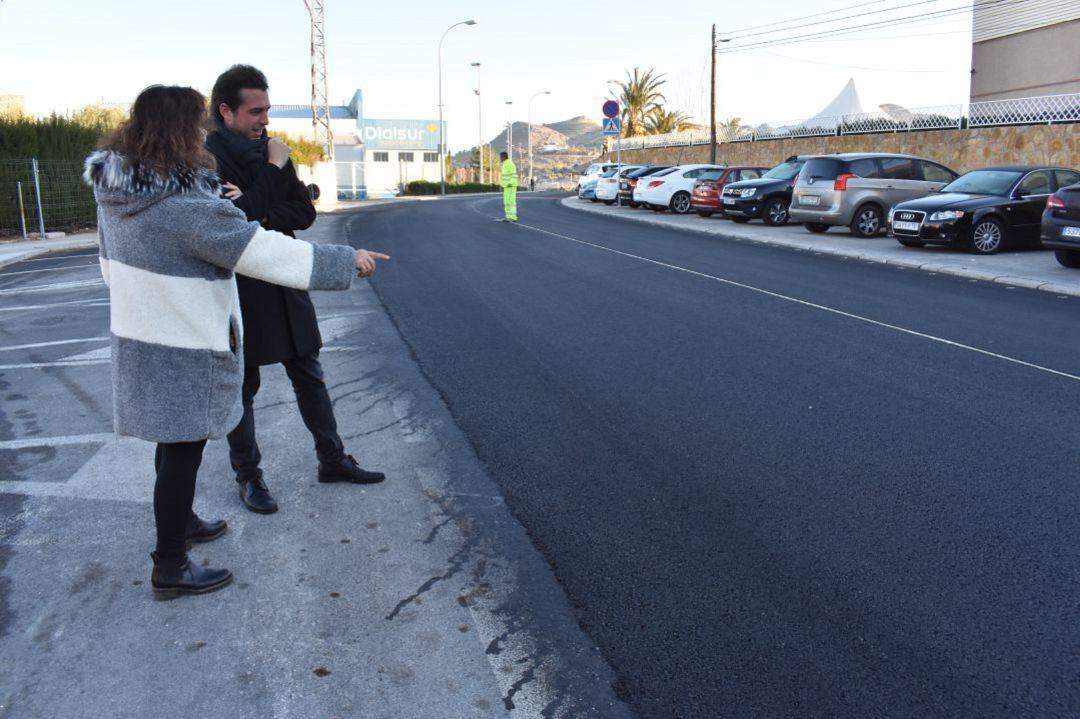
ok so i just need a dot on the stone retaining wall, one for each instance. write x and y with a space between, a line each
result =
962 150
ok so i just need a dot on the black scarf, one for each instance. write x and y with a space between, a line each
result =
239 159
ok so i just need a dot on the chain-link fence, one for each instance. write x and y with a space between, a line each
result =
39 196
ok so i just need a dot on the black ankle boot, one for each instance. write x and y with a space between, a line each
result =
199 530
173 576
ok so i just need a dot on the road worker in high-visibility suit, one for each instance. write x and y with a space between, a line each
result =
509 185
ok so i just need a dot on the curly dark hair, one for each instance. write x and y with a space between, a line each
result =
229 84
164 130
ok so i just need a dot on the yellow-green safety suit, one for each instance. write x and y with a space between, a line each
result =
509 185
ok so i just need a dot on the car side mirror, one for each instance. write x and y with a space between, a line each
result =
313 192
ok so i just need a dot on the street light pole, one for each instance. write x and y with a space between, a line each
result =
510 129
442 150
479 122
529 130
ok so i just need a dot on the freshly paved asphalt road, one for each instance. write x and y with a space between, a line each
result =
771 483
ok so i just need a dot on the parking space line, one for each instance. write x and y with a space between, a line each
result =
55 258
95 302
34 345
812 305
53 287
56 441
60 363
49 269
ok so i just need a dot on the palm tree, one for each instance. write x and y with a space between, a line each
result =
661 122
640 97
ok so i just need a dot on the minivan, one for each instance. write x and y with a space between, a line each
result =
859 189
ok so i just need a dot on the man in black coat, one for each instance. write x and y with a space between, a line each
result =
279 323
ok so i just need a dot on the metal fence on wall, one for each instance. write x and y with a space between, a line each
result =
1045 110
40 196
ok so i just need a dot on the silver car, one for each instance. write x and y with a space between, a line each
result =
859 189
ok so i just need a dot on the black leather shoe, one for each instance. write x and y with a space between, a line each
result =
347 470
255 495
174 576
199 530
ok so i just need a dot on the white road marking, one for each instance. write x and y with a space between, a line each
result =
812 305
53 287
96 302
34 345
60 363
54 258
48 269
56 441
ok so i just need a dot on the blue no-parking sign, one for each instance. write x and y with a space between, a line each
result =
611 109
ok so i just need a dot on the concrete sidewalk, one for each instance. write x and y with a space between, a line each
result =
1033 269
19 250
420 597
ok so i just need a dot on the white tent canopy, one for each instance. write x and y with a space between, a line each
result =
846 103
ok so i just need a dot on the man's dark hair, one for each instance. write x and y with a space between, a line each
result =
502 155
230 83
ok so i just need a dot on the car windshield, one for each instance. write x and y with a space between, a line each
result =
711 175
628 171
591 169
984 182
786 171
610 172
665 172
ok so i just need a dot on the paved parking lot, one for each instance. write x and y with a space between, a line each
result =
418 597
1030 268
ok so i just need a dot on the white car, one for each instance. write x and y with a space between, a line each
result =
670 189
593 172
607 187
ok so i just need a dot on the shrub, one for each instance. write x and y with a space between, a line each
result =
424 187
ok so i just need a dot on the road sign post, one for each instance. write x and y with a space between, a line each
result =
613 126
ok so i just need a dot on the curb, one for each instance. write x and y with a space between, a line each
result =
966 273
29 253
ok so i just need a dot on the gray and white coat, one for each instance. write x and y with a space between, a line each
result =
169 245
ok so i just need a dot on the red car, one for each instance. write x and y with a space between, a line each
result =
705 197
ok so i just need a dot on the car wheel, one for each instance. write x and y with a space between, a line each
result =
1068 258
816 227
633 205
987 236
740 220
593 199
775 212
609 202
680 203
867 221
704 213
911 243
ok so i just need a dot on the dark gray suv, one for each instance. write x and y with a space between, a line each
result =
859 189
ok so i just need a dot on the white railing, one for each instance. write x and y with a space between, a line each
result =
1048 109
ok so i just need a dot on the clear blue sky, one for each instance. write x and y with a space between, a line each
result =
62 54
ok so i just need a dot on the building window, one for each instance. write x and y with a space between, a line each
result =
405 157
431 157
381 157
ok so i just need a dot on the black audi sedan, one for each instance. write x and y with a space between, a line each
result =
985 210
1061 225
767 197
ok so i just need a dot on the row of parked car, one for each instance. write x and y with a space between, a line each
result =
917 201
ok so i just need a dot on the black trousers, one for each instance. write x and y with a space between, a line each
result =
312 399
177 465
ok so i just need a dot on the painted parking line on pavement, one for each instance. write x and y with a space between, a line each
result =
95 302
53 287
35 345
812 305
49 269
56 441
54 258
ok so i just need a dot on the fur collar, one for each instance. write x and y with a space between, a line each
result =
109 170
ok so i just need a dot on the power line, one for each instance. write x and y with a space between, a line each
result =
894 22
859 67
806 17
837 19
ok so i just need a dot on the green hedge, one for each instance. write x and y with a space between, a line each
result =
423 187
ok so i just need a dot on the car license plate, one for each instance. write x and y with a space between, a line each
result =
906 226
729 200
1070 231
809 200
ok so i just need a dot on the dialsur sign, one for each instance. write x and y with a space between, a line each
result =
401 134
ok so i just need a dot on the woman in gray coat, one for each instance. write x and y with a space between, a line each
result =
169 245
